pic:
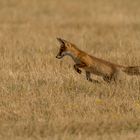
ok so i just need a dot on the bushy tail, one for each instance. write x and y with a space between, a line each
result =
134 70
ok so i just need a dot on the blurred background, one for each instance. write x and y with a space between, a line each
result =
42 97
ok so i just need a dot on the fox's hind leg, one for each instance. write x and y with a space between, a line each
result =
107 78
88 76
110 78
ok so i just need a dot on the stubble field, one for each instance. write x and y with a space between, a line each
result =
42 97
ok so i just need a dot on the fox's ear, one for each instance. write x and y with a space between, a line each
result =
61 41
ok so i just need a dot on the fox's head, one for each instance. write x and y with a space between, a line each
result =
64 48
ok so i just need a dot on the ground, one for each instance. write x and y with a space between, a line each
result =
42 97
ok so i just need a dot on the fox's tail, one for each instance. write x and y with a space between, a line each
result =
132 70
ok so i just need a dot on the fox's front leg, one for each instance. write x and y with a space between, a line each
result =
77 66
77 69
88 76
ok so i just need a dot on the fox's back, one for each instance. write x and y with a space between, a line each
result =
98 66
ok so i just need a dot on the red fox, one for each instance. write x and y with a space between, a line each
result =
107 70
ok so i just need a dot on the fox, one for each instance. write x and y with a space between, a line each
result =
93 65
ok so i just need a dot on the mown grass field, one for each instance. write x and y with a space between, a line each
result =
42 97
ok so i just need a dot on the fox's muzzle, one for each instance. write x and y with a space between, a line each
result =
59 56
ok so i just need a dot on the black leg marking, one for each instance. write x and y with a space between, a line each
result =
88 76
77 69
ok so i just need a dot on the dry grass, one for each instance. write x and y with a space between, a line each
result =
44 98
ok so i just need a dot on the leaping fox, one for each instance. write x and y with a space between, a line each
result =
109 71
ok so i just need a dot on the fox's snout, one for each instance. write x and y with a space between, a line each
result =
61 54
58 56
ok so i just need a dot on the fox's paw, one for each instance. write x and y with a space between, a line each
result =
79 71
